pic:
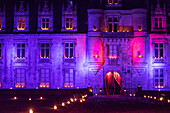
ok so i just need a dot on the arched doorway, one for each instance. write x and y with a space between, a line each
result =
112 83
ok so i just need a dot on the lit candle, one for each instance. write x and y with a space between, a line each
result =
30 111
161 98
55 107
63 104
68 102
71 100
81 101
41 98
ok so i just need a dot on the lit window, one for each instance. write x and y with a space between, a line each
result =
69 50
112 51
158 23
20 78
20 50
116 1
0 24
94 28
112 24
45 24
45 78
110 1
69 23
139 28
69 78
45 50
21 24
159 78
159 49
0 50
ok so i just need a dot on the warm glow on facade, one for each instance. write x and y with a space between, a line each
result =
112 57
159 86
69 23
45 85
19 85
21 24
45 24
140 56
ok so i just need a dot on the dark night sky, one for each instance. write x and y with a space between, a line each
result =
82 6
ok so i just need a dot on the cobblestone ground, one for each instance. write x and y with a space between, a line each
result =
96 104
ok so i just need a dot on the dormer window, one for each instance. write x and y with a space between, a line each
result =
158 23
69 23
116 1
21 24
110 1
45 24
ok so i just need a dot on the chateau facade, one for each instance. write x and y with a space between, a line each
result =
69 44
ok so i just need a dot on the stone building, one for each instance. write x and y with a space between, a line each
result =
114 45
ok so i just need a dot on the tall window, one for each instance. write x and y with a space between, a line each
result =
45 24
45 78
21 24
112 24
158 23
0 50
45 50
69 50
112 51
69 23
159 49
159 78
20 78
0 24
69 78
20 50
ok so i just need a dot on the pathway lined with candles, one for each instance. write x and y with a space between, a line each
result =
95 104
